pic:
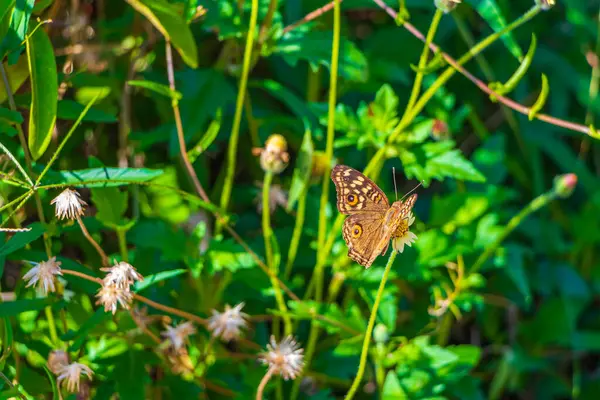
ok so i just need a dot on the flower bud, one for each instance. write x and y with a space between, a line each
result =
564 185
446 5
381 334
274 157
439 130
545 4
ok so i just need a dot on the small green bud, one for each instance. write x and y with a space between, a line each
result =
381 334
446 5
564 185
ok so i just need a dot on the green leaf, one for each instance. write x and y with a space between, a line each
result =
491 13
206 139
7 342
10 116
71 110
18 27
111 204
55 394
438 161
392 388
44 86
302 171
12 308
315 47
81 335
101 177
17 75
171 25
21 239
230 256
151 280
159 88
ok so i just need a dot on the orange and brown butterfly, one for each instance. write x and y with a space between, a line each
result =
372 222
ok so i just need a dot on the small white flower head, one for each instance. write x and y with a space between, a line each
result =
228 324
43 275
178 335
69 204
285 358
57 360
403 236
110 295
70 375
121 275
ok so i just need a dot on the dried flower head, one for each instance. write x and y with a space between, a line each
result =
285 358
274 157
178 335
121 275
446 5
403 236
228 324
110 295
70 375
179 360
57 360
69 204
43 275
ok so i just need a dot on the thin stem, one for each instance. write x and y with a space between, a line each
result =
237 118
263 384
178 123
18 199
533 206
593 91
86 233
268 237
416 89
52 326
121 235
310 16
369 332
18 207
151 303
318 275
267 21
297 234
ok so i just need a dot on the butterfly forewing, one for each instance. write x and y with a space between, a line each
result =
356 193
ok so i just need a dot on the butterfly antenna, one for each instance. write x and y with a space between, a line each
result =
395 187
412 190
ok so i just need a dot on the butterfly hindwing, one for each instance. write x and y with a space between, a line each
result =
365 237
356 193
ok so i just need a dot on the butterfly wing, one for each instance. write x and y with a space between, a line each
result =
356 193
365 237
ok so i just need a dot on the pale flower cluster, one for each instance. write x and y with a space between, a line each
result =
228 324
68 374
69 205
285 358
116 286
43 275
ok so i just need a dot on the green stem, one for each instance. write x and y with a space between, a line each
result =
416 89
18 207
318 274
122 236
268 237
535 205
450 71
369 332
52 327
237 118
297 234
18 199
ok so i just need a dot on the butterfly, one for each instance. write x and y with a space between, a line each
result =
372 222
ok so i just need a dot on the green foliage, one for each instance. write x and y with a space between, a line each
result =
495 299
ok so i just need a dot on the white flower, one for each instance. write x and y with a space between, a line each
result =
285 358
110 295
68 204
227 324
403 236
178 335
70 375
43 275
121 275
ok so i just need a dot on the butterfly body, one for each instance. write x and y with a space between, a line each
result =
372 222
